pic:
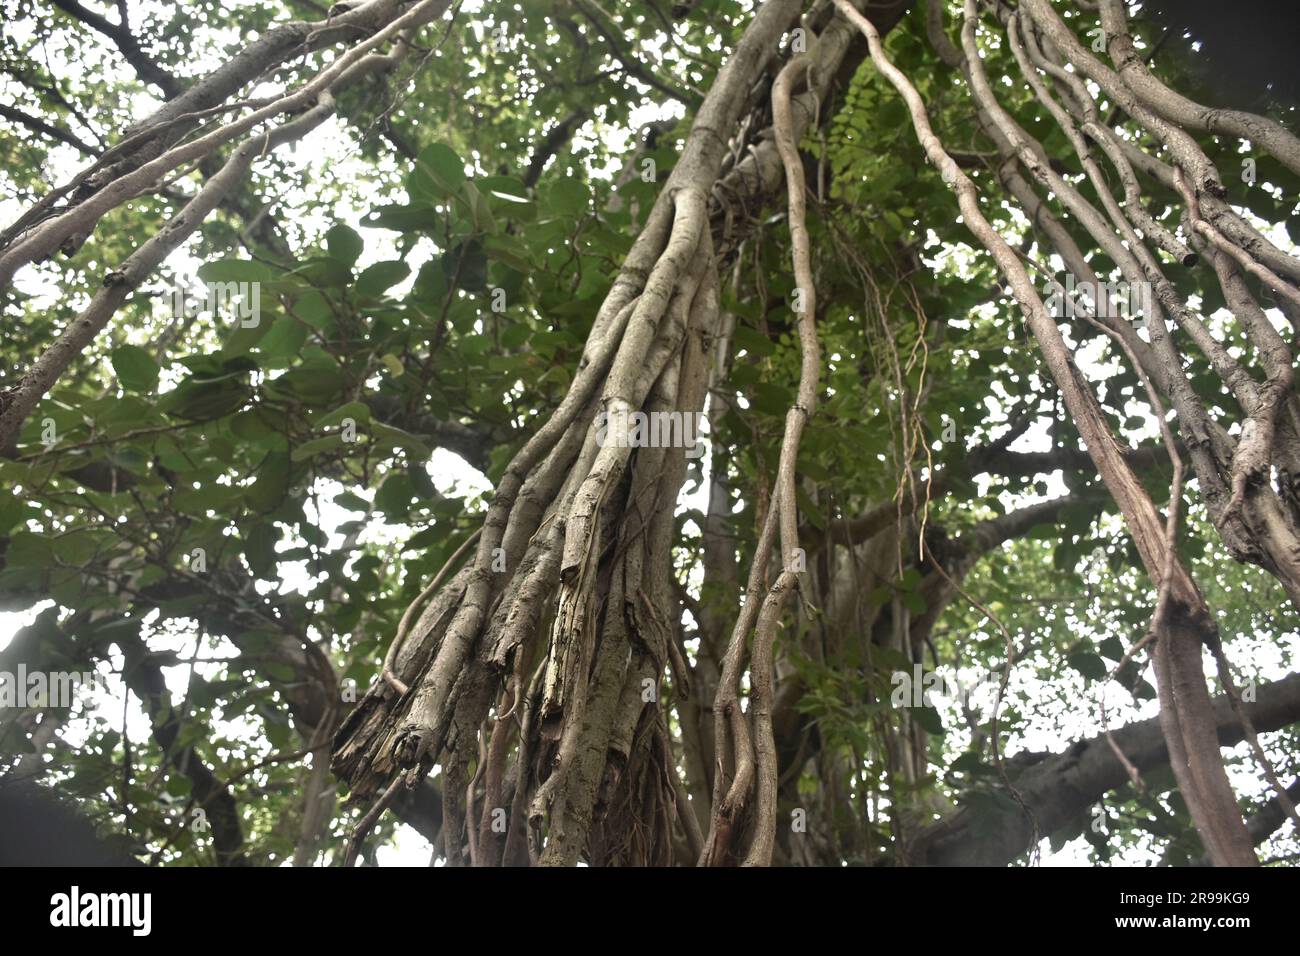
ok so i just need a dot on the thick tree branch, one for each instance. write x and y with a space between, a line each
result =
1058 788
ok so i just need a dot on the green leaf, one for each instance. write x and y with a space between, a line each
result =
479 211
325 272
752 341
414 217
771 399
508 250
316 380
1112 648
466 266
375 280
344 244
431 284
205 400
508 198
235 270
914 603
439 162
1088 664
271 485
283 340
310 449
394 496
135 368
390 437
244 337
12 510
350 501
251 426
506 188
567 197
259 550
357 411
929 719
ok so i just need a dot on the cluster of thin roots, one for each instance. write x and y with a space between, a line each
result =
1257 520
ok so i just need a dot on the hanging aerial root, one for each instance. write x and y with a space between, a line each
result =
1181 145
1255 528
1185 706
1271 280
756 762
418 724
619 398
642 330
367 822
1131 208
375 742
